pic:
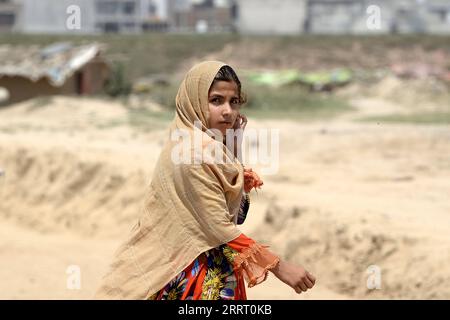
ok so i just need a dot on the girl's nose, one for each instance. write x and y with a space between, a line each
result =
226 109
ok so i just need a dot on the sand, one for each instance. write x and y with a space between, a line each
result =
348 195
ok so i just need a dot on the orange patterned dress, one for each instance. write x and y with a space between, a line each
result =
219 273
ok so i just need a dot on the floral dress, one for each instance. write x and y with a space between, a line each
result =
219 273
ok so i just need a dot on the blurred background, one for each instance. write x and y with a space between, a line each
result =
359 91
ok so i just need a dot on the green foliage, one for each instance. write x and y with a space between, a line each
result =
292 101
117 84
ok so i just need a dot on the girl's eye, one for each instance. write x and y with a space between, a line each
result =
215 100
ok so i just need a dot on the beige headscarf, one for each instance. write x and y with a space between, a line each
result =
188 209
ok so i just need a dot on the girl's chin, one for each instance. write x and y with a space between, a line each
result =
223 132
223 127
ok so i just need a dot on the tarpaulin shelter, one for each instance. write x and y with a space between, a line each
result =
61 68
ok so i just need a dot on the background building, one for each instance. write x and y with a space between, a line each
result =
203 16
244 16
270 16
96 16
9 11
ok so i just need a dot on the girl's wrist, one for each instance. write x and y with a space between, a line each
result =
277 269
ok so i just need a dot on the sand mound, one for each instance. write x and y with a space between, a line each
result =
400 95
65 112
57 190
340 254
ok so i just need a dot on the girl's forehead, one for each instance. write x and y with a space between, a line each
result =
229 87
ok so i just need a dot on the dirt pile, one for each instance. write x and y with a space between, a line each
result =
343 254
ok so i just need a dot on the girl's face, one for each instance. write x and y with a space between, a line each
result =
224 105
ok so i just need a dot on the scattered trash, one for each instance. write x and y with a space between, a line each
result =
317 81
326 81
274 78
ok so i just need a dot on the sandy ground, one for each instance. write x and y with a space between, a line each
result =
347 196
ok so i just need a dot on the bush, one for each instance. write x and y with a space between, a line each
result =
117 84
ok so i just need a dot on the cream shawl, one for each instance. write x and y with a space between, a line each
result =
188 208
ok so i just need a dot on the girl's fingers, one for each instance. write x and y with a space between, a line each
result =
311 277
302 286
308 283
244 121
238 122
251 179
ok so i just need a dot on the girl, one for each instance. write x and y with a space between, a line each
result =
186 244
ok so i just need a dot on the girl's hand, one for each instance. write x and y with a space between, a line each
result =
251 180
241 122
294 276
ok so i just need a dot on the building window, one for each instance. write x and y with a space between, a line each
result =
152 9
7 19
111 27
442 14
129 25
129 8
107 7
234 11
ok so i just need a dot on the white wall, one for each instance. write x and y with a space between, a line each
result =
271 16
161 8
50 16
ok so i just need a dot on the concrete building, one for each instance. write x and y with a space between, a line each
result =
245 16
343 16
438 17
9 11
270 16
359 16
155 15
423 16
118 16
95 16
202 16
47 16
